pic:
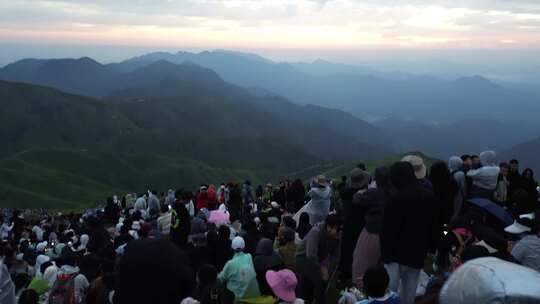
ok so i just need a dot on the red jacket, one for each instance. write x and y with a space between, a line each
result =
201 200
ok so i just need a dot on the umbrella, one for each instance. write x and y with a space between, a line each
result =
494 209
219 217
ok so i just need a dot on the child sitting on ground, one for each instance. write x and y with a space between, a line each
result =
376 281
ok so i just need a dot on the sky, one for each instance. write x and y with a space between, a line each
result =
281 29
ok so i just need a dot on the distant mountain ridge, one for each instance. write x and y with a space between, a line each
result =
360 91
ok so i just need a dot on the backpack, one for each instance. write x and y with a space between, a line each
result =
63 290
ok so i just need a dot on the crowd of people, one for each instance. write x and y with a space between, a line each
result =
454 233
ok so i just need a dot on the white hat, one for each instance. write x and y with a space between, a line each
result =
527 215
418 164
521 225
274 205
238 243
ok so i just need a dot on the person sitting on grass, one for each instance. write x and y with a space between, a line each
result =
376 290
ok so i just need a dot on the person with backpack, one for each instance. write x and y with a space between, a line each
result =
70 285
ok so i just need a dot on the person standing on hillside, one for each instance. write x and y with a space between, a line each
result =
408 230
529 184
223 194
140 203
367 252
455 165
353 218
445 189
153 205
180 224
319 205
201 198
501 193
514 177
247 193
296 194
212 198
485 178
420 170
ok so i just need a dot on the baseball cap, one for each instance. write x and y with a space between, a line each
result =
238 243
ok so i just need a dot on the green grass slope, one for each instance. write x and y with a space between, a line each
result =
73 179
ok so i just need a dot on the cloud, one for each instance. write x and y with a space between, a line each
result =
277 23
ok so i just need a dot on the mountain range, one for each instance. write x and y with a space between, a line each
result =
360 90
157 125
166 119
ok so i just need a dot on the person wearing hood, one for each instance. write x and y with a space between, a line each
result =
140 203
408 230
7 288
5 230
153 205
41 257
491 280
239 273
353 218
455 165
527 249
68 269
484 179
266 259
171 197
367 252
319 205
201 198
83 242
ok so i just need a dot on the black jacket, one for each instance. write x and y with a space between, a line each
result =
372 201
409 226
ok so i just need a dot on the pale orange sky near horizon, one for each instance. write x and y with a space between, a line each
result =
320 24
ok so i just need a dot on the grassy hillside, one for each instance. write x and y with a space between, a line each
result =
73 179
